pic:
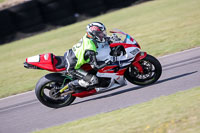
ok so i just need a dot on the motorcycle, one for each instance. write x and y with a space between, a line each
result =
128 63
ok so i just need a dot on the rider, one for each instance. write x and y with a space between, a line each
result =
83 52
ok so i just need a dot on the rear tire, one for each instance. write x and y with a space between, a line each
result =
47 85
152 72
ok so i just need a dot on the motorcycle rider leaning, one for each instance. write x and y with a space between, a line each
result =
85 52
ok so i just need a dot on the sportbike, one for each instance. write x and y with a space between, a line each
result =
128 62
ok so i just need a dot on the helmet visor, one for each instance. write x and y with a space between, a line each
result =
101 35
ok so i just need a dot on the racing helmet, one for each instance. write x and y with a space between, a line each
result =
96 31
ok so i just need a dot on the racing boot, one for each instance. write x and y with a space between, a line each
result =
83 80
87 82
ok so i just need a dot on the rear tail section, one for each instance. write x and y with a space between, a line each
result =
47 61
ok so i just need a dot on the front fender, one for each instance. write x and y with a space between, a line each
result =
139 57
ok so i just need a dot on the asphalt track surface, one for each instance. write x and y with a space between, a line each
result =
23 113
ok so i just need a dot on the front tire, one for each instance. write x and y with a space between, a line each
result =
49 85
152 71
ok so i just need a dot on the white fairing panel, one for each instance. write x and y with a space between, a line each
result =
128 57
122 61
116 81
34 58
103 52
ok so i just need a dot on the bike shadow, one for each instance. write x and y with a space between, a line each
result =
135 88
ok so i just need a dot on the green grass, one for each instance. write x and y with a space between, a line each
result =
176 113
1 1
160 26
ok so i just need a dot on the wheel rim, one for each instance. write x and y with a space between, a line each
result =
48 91
149 72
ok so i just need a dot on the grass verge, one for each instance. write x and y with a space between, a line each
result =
160 26
1 1
176 113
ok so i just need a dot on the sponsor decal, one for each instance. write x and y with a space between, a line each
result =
135 51
95 28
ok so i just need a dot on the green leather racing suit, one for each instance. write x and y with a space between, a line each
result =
81 53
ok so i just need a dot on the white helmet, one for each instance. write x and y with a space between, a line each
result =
96 31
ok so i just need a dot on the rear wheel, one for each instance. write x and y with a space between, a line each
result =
152 70
48 86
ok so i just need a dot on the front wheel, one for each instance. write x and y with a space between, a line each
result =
50 84
152 70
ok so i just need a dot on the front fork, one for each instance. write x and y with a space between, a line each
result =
136 63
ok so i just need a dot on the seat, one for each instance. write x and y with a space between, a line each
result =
61 63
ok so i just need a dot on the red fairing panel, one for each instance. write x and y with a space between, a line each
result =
121 72
110 69
85 93
107 69
123 44
46 62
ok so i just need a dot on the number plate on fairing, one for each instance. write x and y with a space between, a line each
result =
34 59
135 51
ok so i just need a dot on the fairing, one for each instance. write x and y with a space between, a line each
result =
115 71
44 61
